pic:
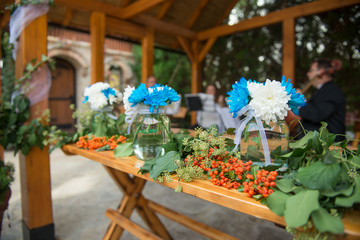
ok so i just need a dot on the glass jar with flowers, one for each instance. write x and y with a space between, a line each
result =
97 118
263 107
145 113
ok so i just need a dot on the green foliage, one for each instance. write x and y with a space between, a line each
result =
15 128
319 184
6 178
124 150
257 53
158 165
99 124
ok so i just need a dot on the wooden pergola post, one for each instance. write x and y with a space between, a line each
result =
147 60
288 61
35 167
97 32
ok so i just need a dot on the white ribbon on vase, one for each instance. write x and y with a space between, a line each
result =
108 111
140 110
250 114
22 17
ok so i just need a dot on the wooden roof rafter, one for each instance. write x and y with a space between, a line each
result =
118 12
194 17
165 7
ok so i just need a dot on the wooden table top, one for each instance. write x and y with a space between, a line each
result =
203 189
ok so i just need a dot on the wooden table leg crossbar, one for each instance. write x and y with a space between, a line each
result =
133 199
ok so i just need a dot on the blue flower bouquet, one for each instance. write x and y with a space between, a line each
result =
145 113
263 107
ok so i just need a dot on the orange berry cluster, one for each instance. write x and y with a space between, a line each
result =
93 143
227 171
263 185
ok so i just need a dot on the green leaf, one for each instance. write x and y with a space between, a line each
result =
285 185
32 139
164 163
12 118
329 157
276 202
170 146
325 222
230 131
316 143
355 159
303 142
346 191
299 207
124 150
104 148
319 175
100 127
148 164
344 201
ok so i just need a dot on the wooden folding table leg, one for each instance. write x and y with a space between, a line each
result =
133 198
132 227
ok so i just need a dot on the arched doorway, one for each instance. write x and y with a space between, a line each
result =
62 95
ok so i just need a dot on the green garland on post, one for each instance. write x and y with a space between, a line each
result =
14 113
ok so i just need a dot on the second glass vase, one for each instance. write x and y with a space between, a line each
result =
150 132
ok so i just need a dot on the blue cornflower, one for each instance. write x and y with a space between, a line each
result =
155 97
138 95
86 99
239 96
171 94
297 99
108 91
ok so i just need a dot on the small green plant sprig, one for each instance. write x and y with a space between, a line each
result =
321 183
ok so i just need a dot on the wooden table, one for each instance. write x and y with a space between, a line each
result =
120 170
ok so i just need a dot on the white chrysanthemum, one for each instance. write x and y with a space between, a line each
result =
98 99
129 110
269 100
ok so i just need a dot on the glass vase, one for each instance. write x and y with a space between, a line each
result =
277 137
150 132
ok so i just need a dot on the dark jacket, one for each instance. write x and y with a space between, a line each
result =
328 105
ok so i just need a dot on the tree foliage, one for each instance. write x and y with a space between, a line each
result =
170 68
257 53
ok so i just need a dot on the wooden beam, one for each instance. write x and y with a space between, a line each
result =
92 6
115 25
194 17
147 60
206 49
35 167
118 12
227 12
67 18
124 3
130 226
196 13
276 16
97 34
196 72
185 45
190 223
164 27
165 7
139 7
288 55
